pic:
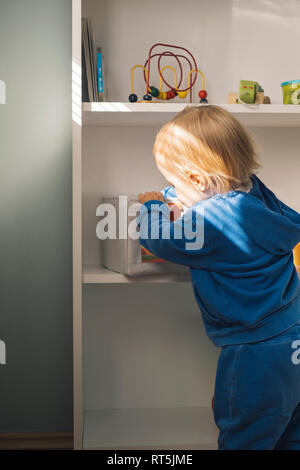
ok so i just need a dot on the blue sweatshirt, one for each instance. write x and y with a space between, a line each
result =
243 272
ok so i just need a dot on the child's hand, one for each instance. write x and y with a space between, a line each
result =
156 195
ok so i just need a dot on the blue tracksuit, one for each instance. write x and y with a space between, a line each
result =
238 247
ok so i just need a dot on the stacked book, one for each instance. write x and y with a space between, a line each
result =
92 66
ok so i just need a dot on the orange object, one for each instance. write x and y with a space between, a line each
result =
148 257
296 252
175 211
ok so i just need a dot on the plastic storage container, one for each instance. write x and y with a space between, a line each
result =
291 92
127 256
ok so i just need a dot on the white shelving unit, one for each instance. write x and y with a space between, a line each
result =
144 368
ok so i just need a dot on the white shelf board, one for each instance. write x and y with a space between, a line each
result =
153 428
155 114
99 274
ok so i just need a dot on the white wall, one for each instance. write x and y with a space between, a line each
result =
230 40
119 160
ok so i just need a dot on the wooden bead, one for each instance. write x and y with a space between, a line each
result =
133 98
154 91
202 94
147 97
182 94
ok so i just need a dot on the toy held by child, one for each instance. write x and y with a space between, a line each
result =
175 212
243 274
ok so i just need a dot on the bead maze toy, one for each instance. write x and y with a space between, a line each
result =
250 92
173 91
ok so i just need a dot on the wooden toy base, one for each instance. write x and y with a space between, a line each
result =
260 98
147 101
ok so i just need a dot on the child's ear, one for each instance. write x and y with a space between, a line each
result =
198 182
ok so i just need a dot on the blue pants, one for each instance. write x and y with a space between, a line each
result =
257 394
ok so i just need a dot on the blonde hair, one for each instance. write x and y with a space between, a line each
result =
210 142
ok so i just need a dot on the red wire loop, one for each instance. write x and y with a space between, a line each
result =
169 53
176 57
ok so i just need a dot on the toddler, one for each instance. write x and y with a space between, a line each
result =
243 274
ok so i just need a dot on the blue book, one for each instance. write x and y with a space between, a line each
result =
100 70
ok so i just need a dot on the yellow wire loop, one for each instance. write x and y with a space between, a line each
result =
131 75
189 77
175 76
160 79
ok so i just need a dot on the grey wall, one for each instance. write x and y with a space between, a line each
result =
35 216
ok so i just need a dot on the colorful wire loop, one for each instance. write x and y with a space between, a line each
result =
175 90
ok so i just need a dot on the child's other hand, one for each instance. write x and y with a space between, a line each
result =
156 195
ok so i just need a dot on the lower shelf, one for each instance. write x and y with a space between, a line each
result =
150 428
99 274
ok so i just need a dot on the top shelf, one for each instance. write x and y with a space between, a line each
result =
156 114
